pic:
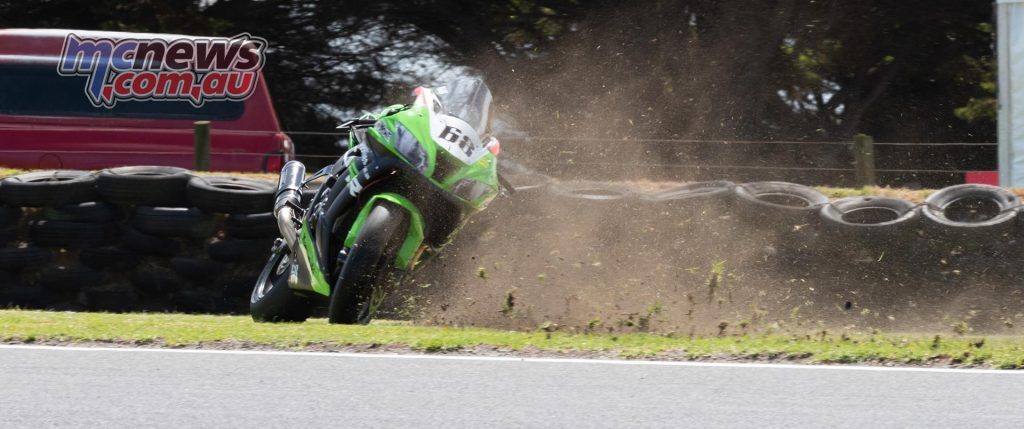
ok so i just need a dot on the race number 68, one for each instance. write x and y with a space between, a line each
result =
455 135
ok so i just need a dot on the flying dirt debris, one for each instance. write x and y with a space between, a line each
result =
708 258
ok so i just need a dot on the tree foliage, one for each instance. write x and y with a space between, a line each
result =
913 70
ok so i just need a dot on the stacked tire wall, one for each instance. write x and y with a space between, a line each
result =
163 239
973 217
131 239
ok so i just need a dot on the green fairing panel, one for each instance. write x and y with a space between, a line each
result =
417 119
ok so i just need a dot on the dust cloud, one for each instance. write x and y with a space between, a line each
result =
535 260
538 260
629 94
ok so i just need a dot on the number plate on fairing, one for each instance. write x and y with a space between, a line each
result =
457 138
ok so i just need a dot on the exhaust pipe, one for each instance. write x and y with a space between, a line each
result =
289 195
289 186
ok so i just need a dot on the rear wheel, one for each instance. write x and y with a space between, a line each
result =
368 269
272 300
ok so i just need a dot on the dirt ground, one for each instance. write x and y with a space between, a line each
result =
538 261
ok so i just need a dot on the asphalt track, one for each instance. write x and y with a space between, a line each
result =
92 387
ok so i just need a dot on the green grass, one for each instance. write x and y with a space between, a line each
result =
174 330
4 172
914 195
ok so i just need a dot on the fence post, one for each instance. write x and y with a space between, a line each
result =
201 136
864 153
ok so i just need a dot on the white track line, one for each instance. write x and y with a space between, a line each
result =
370 355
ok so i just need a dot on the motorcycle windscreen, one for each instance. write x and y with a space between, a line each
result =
469 99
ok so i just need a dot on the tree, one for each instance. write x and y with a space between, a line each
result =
704 69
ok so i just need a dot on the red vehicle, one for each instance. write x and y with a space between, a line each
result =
47 122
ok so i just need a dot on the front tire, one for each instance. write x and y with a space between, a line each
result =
272 300
366 271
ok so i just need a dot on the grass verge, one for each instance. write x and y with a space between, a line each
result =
176 330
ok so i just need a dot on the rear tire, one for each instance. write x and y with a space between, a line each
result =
271 299
368 265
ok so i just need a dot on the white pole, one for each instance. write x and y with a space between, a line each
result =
1003 85
1010 57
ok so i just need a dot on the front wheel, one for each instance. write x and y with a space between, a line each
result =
272 300
360 287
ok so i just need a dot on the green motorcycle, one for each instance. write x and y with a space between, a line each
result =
412 176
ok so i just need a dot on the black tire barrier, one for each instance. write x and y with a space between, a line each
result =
529 183
9 216
221 194
17 294
147 244
715 190
7 278
64 234
109 258
134 267
8 235
235 250
591 191
70 278
870 218
196 269
18 258
155 281
143 185
239 288
196 301
143 272
173 222
48 188
114 300
65 306
90 211
972 212
778 203
257 225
